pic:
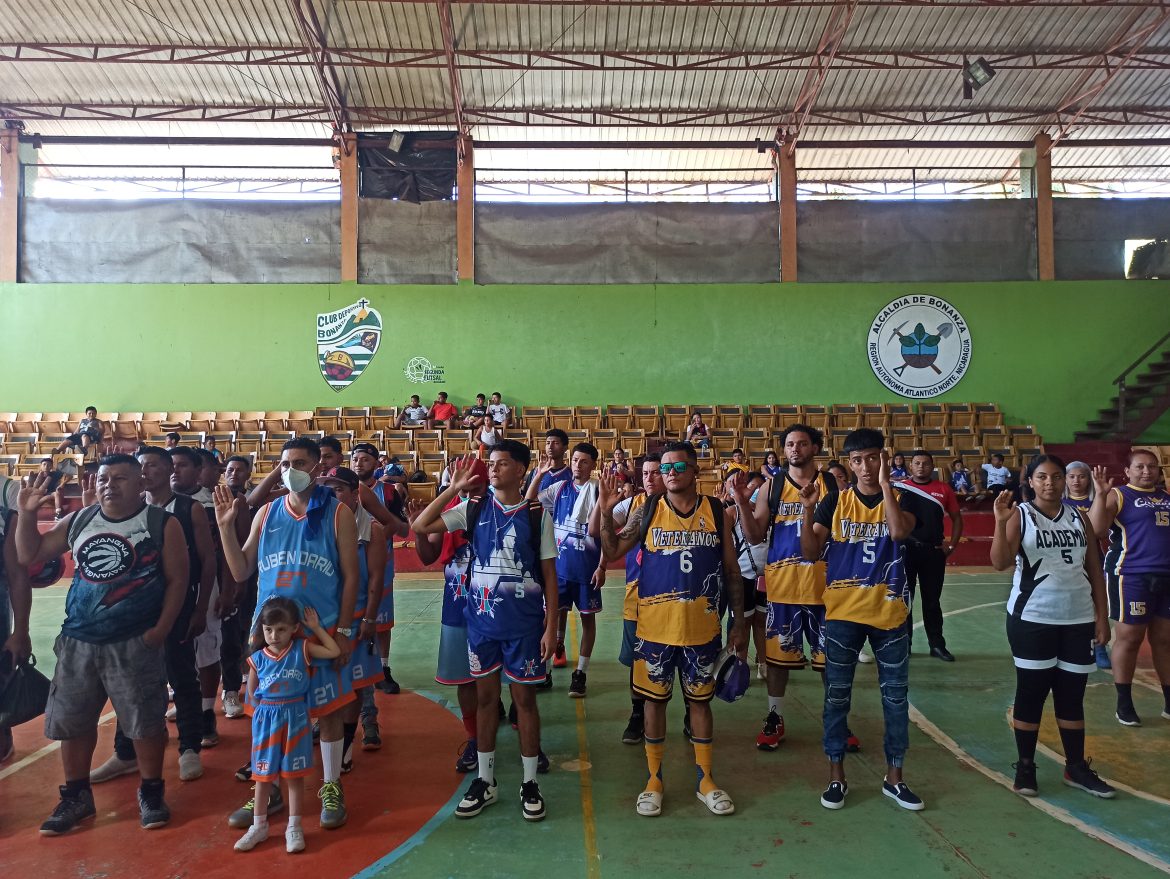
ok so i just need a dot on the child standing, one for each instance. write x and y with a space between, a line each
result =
278 688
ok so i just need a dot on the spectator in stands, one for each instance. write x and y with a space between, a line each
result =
90 431
489 436
499 411
620 467
392 471
412 415
738 462
898 471
476 414
55 483
173 440
443 414
771 465
697 434
209 446
330 454
996 476
961 483
839 473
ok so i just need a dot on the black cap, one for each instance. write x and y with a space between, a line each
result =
343 475
369 448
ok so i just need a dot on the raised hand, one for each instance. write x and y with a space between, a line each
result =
414 506
1004 507
811 494
225 506
32 493
462 478
884 471
737 487
1102 481
89 490
608 491
312 620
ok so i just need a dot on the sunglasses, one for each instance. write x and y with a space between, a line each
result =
678 467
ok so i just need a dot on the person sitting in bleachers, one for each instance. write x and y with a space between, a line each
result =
92 430
697 433
413 415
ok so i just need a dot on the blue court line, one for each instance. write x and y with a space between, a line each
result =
420 835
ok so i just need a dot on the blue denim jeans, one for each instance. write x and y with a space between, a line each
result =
891 650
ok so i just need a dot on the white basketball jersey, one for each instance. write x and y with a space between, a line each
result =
1050 584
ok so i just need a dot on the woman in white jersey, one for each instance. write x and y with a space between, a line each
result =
1056 608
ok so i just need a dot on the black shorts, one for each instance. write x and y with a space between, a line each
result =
749 597
1042 646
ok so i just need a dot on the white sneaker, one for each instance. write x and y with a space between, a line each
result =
294 840
190 766
231 705
761 671
172 714
112 768
863 656
256 834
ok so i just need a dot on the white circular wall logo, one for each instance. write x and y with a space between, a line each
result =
919 346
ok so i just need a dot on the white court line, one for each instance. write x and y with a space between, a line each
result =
1047 808
43 752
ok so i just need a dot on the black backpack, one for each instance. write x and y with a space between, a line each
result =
156 523
827 483
535 522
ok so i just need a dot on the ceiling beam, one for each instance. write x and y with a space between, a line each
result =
705 117
948 4
826 51
1131 42
513 58
447 28
316 45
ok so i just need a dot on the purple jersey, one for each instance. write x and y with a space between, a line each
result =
1139 539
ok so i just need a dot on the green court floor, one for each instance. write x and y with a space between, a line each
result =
961 753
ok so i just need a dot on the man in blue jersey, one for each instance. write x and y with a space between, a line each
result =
304 546
576 517
128 588
1136 518
860 533
511 609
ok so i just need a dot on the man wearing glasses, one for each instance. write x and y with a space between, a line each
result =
686 544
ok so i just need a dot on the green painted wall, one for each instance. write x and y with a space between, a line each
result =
1046 352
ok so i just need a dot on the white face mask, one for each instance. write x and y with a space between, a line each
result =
295 480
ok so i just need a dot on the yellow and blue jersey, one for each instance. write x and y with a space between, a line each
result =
788 576
864 564
681 575
633 566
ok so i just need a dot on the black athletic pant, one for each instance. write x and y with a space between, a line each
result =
179 656
231 652
926 566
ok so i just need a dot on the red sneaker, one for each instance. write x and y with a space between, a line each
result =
559 660
772 734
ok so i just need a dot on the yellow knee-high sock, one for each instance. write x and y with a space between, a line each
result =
703 765
654 749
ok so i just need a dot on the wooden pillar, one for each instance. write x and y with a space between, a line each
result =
465 214
1045 253
349 208
786 172
9 203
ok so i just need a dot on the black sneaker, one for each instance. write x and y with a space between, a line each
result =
1081 775
244 773
512 716
903 796
577 685
1025 783
479 795
468 760
834 795
1127 715
546 684
388 685
371 736
503 712
316 731
531 802
542 764
210 733
346 766
152 808
635 730
73 808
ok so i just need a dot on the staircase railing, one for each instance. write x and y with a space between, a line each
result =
1120 380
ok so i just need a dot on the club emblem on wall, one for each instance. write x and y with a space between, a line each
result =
919 346
347 341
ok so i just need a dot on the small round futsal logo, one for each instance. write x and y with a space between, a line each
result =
919 346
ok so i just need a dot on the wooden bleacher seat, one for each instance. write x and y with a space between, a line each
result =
327 418
675 420
432 463
54 422
424 491
723 440
24 422
587 417
397 442
428 441
761 416
789 413
619 417
29 464
274 421
645 419
248 421
355 418
46 443
383 417
633 441
729 417
299 421
459 442
606 439
756 439
534 419
18 443
875 416
933 415
8 464
578 435
253 442
520 435
561 417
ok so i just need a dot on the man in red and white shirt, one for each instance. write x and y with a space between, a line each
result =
927 548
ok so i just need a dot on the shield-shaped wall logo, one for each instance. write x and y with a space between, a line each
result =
347 341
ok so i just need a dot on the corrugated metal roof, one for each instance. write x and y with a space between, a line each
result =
928 101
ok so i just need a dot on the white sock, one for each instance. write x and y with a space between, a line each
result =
259 820
208 703
487 766
529 767
776 703
582 663
294 822
331 759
